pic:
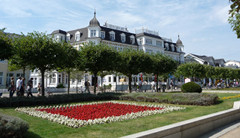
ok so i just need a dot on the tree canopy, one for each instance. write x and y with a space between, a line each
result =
98 58
234 18
39 51
6 51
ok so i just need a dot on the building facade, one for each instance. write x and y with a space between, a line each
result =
6 74
117 37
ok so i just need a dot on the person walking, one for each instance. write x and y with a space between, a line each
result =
22 89
18 86
39 89
30 86
153 86
12 88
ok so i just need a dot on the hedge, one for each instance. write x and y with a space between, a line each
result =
176 98
12 127
56 99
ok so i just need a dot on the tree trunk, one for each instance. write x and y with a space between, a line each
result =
69 73
77 85
116 82
43 90
130 83
157 82
95 82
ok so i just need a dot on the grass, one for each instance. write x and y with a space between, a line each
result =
229 89
44 128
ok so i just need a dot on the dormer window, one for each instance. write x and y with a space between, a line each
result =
93 33
123 37
166 45
112 35
132 39
77 36
68 37
102 34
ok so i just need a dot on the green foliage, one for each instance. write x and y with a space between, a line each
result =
6 51
56 99
12 127
39 51
234 18
175 98
191 87
98 58
191 70
60 85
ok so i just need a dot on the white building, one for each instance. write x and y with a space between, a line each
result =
232 64
117 37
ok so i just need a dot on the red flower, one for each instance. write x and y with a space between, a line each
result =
95 111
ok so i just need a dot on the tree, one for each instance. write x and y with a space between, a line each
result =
234 18
98 58
130 64
69 59
77 75
162 65
191 70
6 51
41 52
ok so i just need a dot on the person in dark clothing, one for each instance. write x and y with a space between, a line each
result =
30 86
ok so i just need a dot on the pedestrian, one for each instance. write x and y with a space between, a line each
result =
87 84
153 86
18 86
30 86
22 89
171 85
11 88
140 86
39 89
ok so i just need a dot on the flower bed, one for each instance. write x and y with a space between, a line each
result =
230 97
78 115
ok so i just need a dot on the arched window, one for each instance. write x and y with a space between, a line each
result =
112 35
77 36
68 37
123 37
132 39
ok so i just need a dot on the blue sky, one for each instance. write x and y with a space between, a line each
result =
201 24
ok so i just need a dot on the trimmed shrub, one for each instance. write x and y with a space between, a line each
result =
12 127
56 99
60 85
176 98
191 87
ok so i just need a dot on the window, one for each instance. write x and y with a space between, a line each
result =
149 41
35 81
53 78
68 37
140 41
114 79
62 38
123 37
1 78
159 43
93 33
77 36
109 79
112 36
59 78
132 39
102 34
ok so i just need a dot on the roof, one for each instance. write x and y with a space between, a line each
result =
219 60
59 32
94 21
118 36
179 42
83 34
147 34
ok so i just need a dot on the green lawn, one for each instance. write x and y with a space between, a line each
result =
229 89
47 129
